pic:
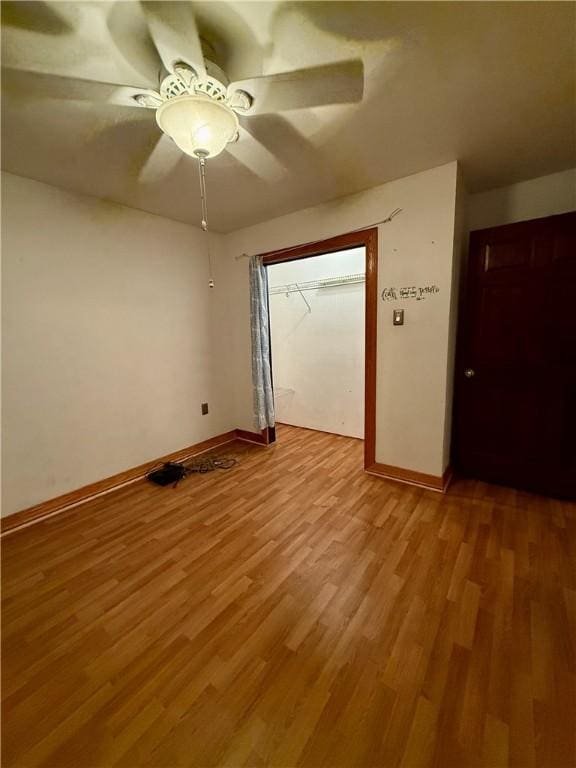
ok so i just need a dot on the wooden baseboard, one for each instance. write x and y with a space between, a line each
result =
438 483
260 438
81 495
84 494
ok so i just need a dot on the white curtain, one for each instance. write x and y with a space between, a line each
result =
263 395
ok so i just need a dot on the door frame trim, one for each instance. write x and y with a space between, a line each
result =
367 238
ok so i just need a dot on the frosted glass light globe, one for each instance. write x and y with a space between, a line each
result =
198 124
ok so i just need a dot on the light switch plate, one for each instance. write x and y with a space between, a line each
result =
398 317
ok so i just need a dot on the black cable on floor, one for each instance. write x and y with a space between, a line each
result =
172 472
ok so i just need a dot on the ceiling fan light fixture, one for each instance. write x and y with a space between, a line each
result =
198 124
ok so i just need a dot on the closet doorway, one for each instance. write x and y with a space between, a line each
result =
322 310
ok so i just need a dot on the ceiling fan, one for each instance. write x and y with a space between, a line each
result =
197 109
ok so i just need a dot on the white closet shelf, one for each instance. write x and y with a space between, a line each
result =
313 285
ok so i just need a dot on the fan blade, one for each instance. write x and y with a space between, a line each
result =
340 83
252 154
162 160
23 84
28 46
173 29
131 37
35 16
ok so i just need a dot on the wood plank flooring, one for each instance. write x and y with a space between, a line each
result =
293 611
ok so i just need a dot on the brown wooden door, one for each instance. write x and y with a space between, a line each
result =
516 373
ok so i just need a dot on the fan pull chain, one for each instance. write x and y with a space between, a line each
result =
204 201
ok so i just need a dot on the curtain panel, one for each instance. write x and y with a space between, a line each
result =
263 395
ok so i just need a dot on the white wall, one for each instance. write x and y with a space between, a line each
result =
533 199
318 355
110 337
415 248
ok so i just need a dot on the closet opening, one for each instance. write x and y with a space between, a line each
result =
322 314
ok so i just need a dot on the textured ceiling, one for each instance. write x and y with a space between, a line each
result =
489 84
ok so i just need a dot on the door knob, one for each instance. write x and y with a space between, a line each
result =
469 373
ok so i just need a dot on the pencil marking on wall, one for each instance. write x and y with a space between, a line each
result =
417 292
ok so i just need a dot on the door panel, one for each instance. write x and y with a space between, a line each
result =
516 405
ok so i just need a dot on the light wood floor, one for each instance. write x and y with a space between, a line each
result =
293 612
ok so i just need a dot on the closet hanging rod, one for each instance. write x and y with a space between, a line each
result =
313 285
388 218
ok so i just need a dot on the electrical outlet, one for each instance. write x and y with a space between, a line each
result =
204 409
